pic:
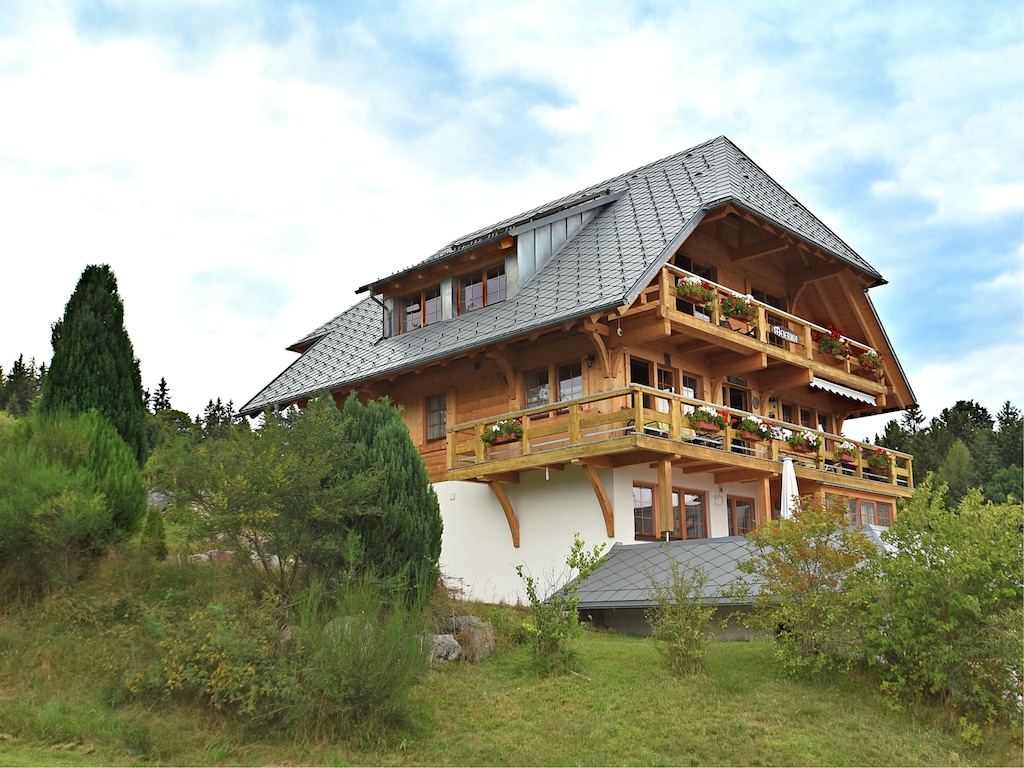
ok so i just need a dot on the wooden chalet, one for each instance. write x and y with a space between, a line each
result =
552 367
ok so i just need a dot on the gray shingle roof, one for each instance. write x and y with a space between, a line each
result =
624 577
604 265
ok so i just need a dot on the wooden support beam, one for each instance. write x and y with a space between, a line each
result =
786 377
764 247
602 499
764 501
506 505
665 494
755 362
741 475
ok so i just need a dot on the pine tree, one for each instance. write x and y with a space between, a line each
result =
405 536
21 387
162 397
94 365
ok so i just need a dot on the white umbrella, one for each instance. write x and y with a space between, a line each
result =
789 488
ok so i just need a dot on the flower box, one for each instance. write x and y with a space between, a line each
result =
706 420
739 308
696 291
504 431
502 439
752 436
800 448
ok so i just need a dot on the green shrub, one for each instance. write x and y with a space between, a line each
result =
809 602
556 621
360 657
681 620
154 536
230 656
949 624
69 488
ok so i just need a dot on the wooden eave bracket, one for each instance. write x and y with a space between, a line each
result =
602 353
510 513
602 499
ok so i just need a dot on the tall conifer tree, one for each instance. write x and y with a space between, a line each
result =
94 365
404 536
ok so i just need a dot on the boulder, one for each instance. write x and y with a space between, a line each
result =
475 635
444 648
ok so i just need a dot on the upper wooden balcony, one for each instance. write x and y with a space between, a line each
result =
773 339
638 424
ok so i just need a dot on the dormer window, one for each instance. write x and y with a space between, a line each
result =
482 289
422 309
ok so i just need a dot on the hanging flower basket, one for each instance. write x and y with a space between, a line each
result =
739 308
879 461
504 431
705 420
832 343
753 429
846 453
803 442
696 291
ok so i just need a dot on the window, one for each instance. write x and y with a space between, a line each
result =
862 512
537 390
437 417
741 516
693 512
570 381
650 375
643 512
884 514
482 289
421 310
689 389
772 319
569 378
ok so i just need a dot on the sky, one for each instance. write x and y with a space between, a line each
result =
244 166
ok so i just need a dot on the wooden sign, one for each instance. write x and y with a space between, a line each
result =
785 334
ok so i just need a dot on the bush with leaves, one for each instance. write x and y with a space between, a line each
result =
556 621
362 651
809 600
283 495
69 489
681 619
231 656
948 619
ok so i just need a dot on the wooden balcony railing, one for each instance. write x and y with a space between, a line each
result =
608 420
769 325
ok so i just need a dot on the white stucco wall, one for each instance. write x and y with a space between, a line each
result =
476 548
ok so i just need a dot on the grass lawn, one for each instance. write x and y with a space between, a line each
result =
63 700
623 708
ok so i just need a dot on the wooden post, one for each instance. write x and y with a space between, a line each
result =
665 495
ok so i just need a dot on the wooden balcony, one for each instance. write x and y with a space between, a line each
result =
772 341
637 424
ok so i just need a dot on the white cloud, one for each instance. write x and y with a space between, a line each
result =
267 168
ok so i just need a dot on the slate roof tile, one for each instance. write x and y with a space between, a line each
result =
604 265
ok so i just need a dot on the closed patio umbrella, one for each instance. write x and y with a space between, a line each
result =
789 488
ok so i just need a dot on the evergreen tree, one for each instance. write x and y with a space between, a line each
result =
94 365
404 537
21 387
162 398
1010 438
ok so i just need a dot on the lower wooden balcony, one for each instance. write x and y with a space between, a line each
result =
638 425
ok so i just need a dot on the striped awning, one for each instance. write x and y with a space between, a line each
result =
839 389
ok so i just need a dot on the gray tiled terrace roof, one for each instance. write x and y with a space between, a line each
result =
604 265
623 579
